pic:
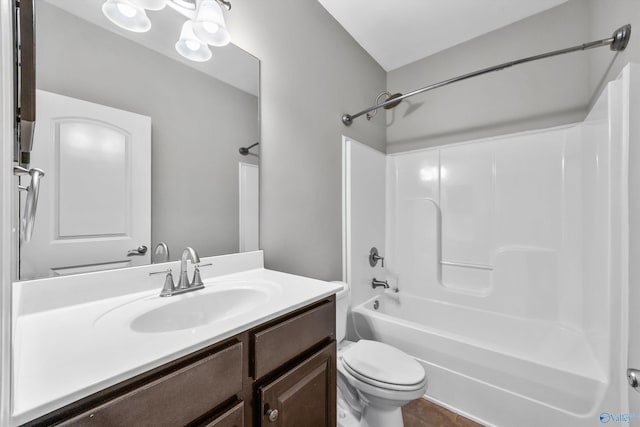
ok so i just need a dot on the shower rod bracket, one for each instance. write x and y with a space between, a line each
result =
617 43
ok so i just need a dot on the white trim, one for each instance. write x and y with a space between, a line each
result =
344 207
241 208
628 317
346 201
346 211
7 191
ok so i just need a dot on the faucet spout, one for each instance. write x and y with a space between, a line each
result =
379 284
187 253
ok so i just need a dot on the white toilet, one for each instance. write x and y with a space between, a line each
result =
374 379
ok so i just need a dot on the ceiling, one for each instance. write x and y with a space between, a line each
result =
229 64
397 33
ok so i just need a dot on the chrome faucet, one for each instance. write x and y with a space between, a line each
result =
162 248
379 283
183 283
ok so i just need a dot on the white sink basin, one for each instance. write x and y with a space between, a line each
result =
195 310
217 302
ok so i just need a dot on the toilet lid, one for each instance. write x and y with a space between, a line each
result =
383 363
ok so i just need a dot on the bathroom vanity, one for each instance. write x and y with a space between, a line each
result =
258 377
274 363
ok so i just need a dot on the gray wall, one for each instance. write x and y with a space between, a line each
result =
534 95
312 72
198 124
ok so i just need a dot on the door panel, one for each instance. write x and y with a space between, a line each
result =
95 199
303 396
93 162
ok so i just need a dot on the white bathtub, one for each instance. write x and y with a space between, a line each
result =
495 368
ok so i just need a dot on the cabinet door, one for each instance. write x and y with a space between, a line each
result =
304 395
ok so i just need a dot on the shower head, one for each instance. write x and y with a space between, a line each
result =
621 38
393 104
245 150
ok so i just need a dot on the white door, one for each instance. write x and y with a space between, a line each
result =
95 197
249 207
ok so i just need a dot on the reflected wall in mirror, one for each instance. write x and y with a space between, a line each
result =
139 145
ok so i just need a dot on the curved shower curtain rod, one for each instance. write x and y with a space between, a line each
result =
617 42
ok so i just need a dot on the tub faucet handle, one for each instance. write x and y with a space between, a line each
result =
374 257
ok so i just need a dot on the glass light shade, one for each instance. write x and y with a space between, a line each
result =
190 46
127 15
150 4
209 24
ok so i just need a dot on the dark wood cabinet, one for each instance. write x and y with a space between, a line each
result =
287 364
176 398
304 395
283 341
234 417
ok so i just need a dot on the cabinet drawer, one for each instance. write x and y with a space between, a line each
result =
234 417
174 399
278 344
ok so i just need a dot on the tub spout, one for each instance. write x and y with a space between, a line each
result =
379 283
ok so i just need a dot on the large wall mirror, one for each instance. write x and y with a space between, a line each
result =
139 145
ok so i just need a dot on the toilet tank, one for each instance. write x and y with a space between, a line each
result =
342 308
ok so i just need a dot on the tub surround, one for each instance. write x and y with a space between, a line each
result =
73 338
510 256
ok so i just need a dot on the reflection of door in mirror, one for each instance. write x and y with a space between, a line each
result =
249 207
95 204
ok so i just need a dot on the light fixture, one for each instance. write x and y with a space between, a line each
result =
190 46
150 4
127 15
209 24
205 22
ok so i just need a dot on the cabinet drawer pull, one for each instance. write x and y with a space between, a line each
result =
273 415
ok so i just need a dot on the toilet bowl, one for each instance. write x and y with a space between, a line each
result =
374 379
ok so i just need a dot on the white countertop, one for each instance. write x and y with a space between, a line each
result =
65 353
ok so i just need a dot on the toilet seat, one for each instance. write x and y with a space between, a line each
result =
381 365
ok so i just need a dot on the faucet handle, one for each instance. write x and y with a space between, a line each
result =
197 279
374 257
169 287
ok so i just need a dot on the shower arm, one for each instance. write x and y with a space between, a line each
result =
618 42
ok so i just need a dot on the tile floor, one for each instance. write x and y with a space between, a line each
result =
423 413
